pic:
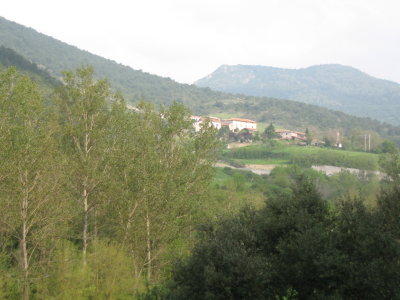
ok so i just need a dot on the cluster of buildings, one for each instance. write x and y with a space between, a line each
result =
234 124
238 124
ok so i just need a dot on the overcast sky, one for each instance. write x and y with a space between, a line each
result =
188 39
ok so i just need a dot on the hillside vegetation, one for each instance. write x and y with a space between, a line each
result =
9 57
333 86
55 56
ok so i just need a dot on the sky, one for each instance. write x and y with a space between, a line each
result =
188 39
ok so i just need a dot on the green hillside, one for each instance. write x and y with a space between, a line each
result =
333 86
9 57
54 56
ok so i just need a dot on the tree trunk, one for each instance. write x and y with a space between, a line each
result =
95 229
85 224
23 241
148 246
25 266
85 197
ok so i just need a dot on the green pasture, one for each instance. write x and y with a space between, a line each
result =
282 153
270 161
223 115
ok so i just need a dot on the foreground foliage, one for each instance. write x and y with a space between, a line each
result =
297 247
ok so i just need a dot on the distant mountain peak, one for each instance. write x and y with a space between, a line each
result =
333 86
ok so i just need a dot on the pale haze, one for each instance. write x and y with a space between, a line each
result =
186 40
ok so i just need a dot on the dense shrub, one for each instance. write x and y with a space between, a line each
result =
297 247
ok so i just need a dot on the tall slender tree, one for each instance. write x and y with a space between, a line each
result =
31 211
83 116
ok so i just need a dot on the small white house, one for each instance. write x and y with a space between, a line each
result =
216 122
198 121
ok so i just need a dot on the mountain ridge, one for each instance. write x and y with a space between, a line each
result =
333 86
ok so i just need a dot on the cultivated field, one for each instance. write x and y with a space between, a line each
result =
281 153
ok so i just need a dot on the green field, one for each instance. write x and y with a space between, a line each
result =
271 161
281 153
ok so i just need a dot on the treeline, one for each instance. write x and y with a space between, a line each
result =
299 246
298 116
94 198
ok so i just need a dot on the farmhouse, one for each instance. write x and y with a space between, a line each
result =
216 122
285 134
198 121
234 124
237 124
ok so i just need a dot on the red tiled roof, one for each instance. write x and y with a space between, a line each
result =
241 120
213 119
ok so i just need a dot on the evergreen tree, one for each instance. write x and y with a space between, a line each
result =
269 132
309 137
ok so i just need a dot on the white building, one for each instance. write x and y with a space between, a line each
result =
237 124
198 122
216 122
234 124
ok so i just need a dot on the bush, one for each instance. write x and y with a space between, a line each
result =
297 247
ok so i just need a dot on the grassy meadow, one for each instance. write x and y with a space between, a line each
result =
281 153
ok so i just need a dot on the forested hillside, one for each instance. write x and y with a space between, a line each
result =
9 57
54 56
333 86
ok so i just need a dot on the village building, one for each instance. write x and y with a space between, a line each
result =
238 124
198 122
285 134
216 122
234 124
